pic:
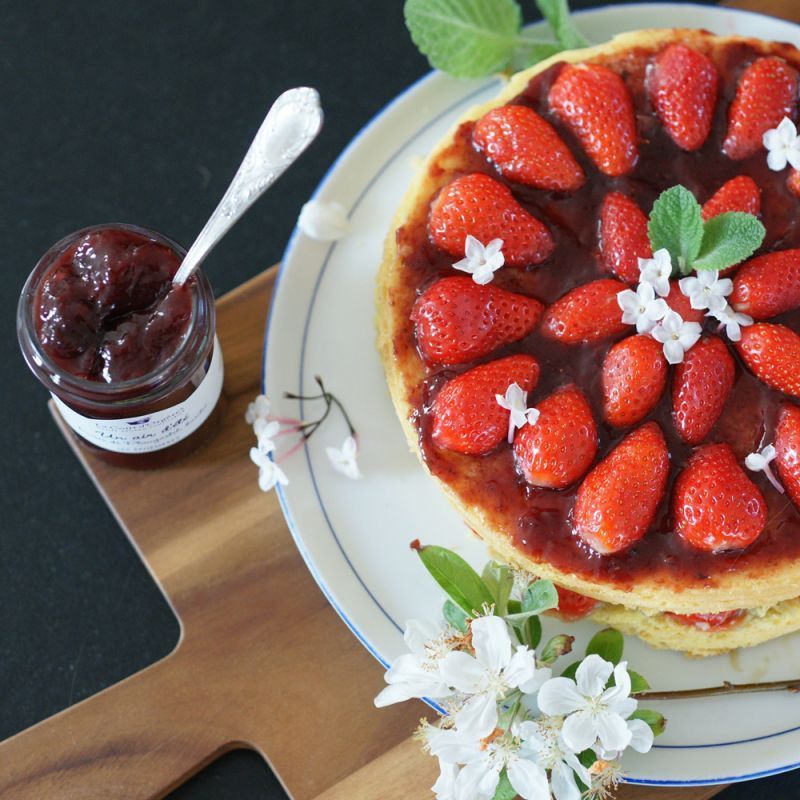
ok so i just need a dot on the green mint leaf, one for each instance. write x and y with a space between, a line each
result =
466 38
530 52
676 223
570 671
499 581
656 721
608 644
638 682
504 790
557 646
462 584
556 12
729 239
455 616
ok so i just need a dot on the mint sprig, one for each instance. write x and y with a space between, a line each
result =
473 38
676 224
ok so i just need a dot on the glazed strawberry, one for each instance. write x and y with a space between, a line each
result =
772 354
768 285
787 445
573 606
700 387
596 105
721 621
633 379
456 320
681 305
623 236
715 506
682 86
560 446
466 416
793 181
588 313
738 194
525 148
766 93
618 499
480 206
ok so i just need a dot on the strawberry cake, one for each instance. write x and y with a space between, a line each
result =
649 467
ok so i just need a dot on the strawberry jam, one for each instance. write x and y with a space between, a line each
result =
539 520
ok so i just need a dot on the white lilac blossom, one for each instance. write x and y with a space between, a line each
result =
677 336
269 473
707 290
481 261
783 146
641 308
760 460
323 221
258 409
344 459
732 321
266 431
657 271
515 401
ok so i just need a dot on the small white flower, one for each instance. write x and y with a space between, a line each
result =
325 222
676 335
269 473
732 321
481 261
707 290
641 740
489 675
592 712
783 145
759 461
258 409
265 433
344 460
445 786
516 401
641 308
656 271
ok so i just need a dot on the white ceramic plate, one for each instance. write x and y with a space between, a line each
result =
354 535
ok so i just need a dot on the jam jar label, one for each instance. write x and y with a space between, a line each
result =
155 431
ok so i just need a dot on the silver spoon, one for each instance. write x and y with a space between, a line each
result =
289 127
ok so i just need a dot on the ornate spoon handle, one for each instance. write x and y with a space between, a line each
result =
289 127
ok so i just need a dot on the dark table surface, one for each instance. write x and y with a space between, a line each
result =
140 112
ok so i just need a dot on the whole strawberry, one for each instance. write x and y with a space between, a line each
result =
560 446
618 499
715 506
772 354
595 104
573 606
633 379
588 313
768 285
738 194
682 86
700 387
766 93
526 149
623 236
466 416
787 446
456 320
480 206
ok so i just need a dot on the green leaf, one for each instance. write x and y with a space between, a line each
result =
504 790
499 581
530 52
608 644
656 721
555 648
514 606
456 577
729 239
638 682
531 632
676 223
467 38
556 12
539 596
570 671
455 616
587 757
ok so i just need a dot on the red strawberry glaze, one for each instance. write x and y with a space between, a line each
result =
539 519
710 622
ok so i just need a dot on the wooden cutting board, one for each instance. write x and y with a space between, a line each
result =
256 633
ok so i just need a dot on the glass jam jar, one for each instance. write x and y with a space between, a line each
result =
132 363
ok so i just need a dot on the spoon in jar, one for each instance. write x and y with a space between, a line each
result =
289 127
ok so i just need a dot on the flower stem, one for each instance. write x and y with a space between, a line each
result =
726 688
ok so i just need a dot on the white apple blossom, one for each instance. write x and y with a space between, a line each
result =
269 473
344 459
759 461
265 432
515 401
732 321
641 308
676 335
592 712
481 261
657 271
258 409
783 146
323 221
706 290
445 786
